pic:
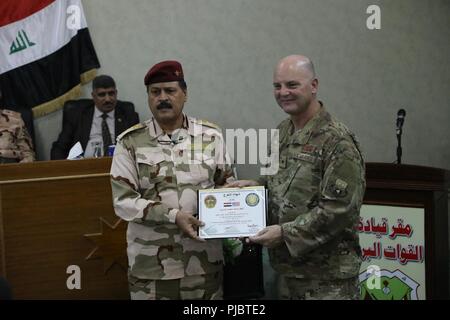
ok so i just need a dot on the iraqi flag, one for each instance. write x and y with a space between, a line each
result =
46 53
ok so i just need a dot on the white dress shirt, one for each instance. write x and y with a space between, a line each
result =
96 132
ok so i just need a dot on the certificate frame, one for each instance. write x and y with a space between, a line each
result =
232 212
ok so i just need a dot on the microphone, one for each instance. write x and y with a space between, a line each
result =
400 119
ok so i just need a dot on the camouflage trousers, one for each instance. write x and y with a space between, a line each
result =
291 288
202 287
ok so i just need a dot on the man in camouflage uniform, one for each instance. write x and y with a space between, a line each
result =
315 198
157 168
15 142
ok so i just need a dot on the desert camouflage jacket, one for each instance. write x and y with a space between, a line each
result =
153 175
15 142
316 197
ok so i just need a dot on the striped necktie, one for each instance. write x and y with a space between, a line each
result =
106 135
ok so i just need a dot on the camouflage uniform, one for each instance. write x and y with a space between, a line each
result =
152 178
315 197
15 142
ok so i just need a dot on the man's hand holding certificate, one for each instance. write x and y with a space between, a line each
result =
231 212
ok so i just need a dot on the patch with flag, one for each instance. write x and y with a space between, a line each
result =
231 204
46 53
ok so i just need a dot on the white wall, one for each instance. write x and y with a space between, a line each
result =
228 50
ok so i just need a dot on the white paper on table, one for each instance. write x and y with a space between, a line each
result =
75 152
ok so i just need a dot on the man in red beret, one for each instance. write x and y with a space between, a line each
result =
157 168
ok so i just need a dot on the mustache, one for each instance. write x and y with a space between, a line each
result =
164 105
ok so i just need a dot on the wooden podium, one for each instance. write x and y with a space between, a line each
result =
418 187
56 217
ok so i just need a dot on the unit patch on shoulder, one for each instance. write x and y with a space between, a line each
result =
339 188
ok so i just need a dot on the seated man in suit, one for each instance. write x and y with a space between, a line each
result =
90 122
15 142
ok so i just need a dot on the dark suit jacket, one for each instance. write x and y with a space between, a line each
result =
77 122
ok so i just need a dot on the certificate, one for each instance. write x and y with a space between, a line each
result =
231 212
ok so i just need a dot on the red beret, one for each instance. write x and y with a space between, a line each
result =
165 71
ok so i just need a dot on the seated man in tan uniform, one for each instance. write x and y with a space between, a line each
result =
15 142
